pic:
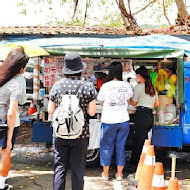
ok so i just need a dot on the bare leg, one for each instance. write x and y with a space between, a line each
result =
106 171
5 163
120 171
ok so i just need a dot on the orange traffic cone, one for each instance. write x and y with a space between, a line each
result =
158 182
145 180
142 158
173 182
32 108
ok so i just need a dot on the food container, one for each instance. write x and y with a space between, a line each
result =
163 101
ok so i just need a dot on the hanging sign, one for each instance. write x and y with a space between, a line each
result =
52 70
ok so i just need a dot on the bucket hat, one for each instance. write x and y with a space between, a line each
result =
73 64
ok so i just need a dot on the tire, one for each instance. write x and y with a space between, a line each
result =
93 157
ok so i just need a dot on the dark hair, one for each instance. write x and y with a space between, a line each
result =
149 88
15 61
115 71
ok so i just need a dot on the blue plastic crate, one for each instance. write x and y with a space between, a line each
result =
167 136
42 132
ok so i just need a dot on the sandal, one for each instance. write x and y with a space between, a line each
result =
104 178
119 178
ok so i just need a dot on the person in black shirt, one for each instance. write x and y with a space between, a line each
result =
72 150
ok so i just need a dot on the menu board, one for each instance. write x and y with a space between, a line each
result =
52 70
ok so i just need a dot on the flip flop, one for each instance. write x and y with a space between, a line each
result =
119 178
104 178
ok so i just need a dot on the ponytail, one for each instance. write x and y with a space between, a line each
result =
149 88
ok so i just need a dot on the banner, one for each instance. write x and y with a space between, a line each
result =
52 70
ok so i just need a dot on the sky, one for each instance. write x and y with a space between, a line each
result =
10 16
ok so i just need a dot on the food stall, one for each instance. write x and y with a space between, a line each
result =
147 51
167 59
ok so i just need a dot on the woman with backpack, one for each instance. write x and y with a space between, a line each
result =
70 147
10 96
114 96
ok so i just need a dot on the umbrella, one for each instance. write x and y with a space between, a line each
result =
31 50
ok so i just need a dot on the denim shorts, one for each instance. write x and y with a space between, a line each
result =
3 137
112 139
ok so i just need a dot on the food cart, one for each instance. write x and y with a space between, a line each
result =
150 51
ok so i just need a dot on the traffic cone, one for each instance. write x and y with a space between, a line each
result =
158 182
32 108
145 179
173 184
142 158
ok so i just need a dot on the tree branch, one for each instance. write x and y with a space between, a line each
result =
165 13
87 5
76 4
153 1
129 6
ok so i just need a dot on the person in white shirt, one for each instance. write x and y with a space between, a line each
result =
10 96
114 96
22 81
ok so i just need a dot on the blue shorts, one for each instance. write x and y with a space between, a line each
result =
113 137
3 137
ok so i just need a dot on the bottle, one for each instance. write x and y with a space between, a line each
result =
161 118
46 102
171 108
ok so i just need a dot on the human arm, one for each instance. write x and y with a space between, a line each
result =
136 96
101 95
92 108
11 119
101 103
129 92
156 104
51 107
52 99
133 103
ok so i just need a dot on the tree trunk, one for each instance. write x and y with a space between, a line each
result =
182 11
184 17
129 17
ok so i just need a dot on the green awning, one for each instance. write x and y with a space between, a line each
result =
111 52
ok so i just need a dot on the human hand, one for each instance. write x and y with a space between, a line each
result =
9 146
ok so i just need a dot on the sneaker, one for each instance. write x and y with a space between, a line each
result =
119 178
7 187
104 178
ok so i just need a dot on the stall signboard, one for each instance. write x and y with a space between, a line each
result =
52 70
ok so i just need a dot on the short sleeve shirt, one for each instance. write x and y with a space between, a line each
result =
115 94
143 99
10 91
86 94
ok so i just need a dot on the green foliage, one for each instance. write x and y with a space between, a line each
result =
113 20
23 12
111 14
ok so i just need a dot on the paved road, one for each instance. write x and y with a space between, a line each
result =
32 170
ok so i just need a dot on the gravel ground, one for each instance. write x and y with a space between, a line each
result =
32 167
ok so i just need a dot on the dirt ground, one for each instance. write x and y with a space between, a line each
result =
32 168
